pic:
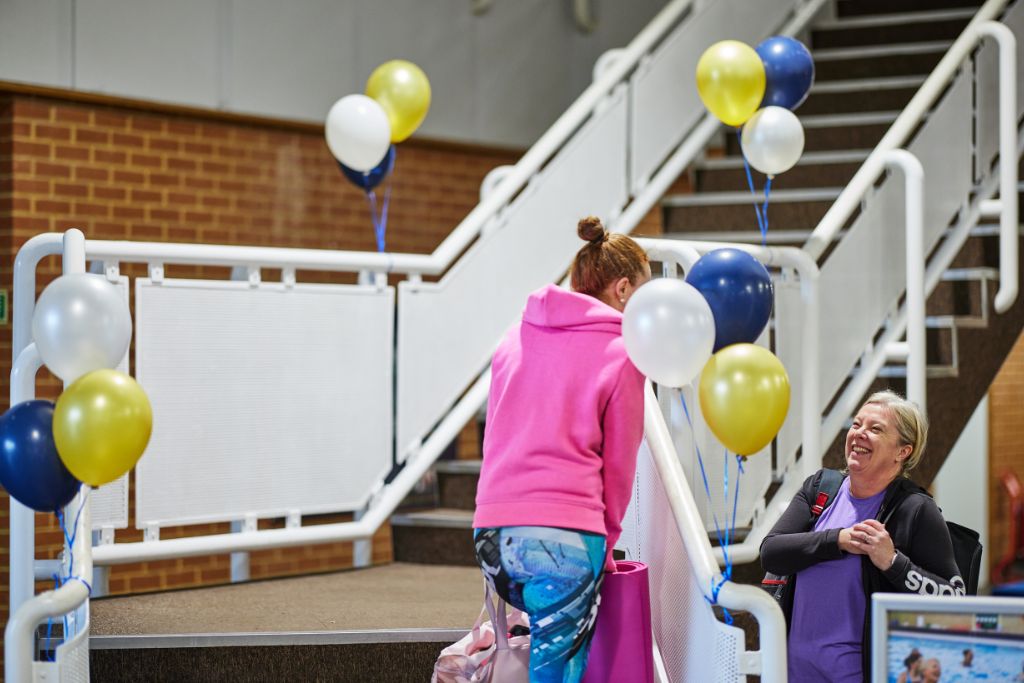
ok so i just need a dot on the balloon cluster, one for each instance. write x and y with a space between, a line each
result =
758 88
361 129
671 328
101 423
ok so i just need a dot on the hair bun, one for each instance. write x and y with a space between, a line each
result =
592 230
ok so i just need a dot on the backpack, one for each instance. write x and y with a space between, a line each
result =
967 551
824 493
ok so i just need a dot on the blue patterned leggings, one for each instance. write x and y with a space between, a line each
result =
554 575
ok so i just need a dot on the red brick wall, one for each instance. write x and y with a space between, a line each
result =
1006 444
122 171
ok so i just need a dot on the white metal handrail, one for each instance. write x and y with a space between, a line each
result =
771 622
908 120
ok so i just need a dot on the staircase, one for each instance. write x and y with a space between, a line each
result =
871 59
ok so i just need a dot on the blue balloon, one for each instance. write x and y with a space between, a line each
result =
372 178
738 289
30 468
788 70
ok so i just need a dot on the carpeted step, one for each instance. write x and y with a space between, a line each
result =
731 211
436 536
912 59
834 132
860 95
813 170
964 294
457 480
916 27
852 8
385 623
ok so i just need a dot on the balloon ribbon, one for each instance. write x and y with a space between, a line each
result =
59 580
761 211
380 221
723 540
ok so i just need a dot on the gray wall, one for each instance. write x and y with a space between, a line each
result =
500 77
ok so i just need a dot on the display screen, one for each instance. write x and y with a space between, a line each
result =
983 642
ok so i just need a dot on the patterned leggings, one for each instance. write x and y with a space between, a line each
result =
554 575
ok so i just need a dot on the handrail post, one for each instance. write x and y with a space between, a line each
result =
1008 218
913 176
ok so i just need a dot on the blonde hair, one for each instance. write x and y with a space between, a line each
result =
605 258
911 425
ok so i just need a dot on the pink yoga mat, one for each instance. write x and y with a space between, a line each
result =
622 650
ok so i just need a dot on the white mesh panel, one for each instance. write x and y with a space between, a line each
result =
265 400
109 503
684 625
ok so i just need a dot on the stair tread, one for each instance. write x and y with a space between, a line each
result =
895 18
451 518
382 598
743 197
458 466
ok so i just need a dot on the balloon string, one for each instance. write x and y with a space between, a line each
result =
380 221
759 211
723 541
58 579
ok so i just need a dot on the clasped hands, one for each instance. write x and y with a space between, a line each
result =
869 538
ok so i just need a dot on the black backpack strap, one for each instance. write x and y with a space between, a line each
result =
826 490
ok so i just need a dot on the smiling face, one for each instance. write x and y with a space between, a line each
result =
874 450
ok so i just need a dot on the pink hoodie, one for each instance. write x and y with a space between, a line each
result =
564 420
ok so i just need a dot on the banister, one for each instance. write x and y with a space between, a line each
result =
898 134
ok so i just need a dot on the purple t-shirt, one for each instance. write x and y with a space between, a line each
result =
828 606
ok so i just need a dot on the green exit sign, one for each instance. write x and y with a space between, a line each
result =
3 306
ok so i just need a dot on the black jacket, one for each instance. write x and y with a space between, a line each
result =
924 563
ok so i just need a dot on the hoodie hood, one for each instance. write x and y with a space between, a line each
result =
552 306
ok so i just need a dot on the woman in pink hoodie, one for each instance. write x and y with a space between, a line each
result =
564 423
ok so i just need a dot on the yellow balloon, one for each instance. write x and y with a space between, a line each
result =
402 89
101 426
731 81
744 395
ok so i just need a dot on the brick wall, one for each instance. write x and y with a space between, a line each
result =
1006 444
134 171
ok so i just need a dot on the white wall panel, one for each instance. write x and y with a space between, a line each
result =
35 41
438 35
109 503
291 60
522 48
789 320
163 51
860 282
500 77
944 148
264 399
448 330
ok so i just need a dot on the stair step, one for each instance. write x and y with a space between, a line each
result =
456 481
730 211
850 8
815 169
834 132
860 95
964 295
912 59
391 620
438 536
910 27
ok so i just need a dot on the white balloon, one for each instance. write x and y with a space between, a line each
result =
773 140
81 323
358 132
669 331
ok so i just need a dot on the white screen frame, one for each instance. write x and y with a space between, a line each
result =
884 603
